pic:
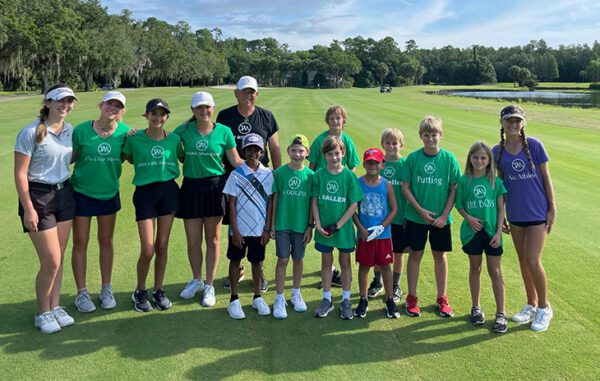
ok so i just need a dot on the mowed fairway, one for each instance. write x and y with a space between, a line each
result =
193 342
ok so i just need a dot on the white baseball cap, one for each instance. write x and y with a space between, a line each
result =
114 95
202 98
247 82
60 93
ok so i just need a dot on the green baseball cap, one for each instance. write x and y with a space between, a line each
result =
299 139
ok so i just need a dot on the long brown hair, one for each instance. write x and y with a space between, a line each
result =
523 142
42 130
490 170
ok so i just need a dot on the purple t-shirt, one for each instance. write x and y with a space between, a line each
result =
526 199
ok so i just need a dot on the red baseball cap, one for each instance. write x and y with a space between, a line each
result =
373 154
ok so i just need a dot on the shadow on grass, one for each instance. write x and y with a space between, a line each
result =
260 344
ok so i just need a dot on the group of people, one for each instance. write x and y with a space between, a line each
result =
394 209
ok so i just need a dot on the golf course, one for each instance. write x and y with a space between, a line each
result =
193 342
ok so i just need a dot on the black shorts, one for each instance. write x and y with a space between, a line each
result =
256 251
399 239
90 207
480 243
155 200
51 204
525 224
440 239
201 198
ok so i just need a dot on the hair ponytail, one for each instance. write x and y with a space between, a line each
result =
41 131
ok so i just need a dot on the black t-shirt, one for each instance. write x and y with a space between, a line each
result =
261 122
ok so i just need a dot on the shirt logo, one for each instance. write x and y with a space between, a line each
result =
201 145
429 168
518 165
389 172
479 191
157 152
294 183
104 149
244 128
332 187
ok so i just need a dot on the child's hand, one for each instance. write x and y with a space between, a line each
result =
331 229
375 232
238 240
264 238
307 236
495 241
364 233
272 235
440 222
131 132
474 223
505 227
427 216
322 231
550 219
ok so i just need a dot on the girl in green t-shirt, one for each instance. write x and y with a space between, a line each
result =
335 196
480 200
153 154
97 148
201 202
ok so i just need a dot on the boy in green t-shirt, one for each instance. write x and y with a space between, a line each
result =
429 185
293 225
336 118
335 196
392 141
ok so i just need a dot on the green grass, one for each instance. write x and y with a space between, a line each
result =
190 341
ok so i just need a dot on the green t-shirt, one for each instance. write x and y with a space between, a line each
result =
335 193
153 161
392 171
204 154
430 178
293 189
98 166
316 157
478 199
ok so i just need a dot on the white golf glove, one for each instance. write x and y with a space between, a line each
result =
375 232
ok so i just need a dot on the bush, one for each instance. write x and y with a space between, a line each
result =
595 86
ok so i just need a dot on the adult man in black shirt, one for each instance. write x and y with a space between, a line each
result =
245 118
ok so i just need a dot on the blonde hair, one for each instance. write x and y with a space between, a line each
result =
392 134
335 109
431 124
331 143
490 170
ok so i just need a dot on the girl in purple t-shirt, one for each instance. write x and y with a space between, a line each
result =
530 209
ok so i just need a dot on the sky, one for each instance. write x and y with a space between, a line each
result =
431 23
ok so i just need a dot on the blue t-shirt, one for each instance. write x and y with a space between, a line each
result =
373 209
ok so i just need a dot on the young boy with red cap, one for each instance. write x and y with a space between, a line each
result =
373 218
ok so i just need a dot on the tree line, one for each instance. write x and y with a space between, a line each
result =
80 43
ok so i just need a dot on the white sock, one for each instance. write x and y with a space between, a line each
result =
345 294
280 296
295 291
327 295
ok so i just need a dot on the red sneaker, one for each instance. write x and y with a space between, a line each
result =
411 306
443 307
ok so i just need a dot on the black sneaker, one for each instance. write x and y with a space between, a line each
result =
362 308
391 309
140 301
477 316
501 323
336 278
374 289
397 293
160 299
264 285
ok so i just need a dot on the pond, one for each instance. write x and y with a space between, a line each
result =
567 99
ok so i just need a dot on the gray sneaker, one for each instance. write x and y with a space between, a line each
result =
324 308
84 303
346 312
107 300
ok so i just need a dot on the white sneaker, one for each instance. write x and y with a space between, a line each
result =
542 319
235 310
62 317
84 303
107 300
526 315
192 288
298 303
208 298
279 310
46 322
261 306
